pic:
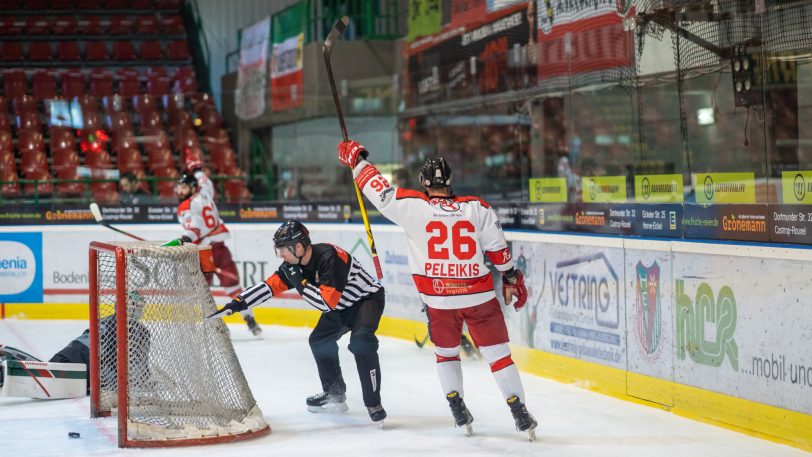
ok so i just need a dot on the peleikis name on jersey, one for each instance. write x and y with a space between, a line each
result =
466 270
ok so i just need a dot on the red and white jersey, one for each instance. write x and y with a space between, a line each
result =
199 216
448 240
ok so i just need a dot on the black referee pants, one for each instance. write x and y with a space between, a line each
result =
361 320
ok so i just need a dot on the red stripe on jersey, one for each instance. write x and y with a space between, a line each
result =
276 284
452 286
499 257
441 359
472 199
402 193
185 205
366 174
330 295
342 254
504 362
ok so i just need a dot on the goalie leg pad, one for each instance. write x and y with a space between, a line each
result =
43 380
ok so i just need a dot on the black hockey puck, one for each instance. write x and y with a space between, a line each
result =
73 435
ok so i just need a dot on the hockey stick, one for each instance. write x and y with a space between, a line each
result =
327 49
97 215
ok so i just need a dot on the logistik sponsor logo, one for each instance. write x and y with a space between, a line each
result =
449 287
649 308
703 314
731 224
589 286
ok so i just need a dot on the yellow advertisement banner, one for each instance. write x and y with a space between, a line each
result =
796 187
725 187
603 189
658 188
548 190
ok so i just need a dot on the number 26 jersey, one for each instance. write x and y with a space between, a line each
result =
448 239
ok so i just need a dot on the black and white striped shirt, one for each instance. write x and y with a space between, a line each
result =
335 281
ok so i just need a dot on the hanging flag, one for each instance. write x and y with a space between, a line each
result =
252 74
286 59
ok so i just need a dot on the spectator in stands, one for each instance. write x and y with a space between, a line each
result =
129 190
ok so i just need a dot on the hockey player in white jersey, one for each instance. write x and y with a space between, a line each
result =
201 222
448 238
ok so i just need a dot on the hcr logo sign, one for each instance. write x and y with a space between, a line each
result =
704 310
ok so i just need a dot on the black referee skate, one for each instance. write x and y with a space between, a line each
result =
524 420
326 402
252 325
377 414
462 417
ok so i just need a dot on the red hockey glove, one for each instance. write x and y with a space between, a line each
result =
513 286
348 152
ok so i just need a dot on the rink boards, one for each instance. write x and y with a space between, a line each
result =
716 332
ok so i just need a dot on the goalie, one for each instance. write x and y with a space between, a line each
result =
350 300
65 374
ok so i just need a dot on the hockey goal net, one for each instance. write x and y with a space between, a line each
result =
180 383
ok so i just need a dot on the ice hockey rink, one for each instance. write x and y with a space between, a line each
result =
281 373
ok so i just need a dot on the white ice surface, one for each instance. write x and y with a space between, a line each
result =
281 372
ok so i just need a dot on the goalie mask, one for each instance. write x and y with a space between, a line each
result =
435 173
288 235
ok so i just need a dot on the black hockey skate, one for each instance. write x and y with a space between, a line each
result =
524 420
377 414
326 402
462 417
252 325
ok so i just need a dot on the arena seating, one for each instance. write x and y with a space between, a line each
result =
104 85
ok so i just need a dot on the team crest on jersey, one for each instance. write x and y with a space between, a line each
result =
445 204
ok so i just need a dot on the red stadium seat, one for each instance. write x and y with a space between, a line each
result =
179 50
90 25
123 51
63 25
173 25
118 120
128 83
151 50
156 71
64 158
185 138
88 4
155 139
210 119
157 86
37 25
89 104
5 122
222 158
216 136
104 192
39 51
68 51
98 159
143 103
184 81
166 181
9 5
10 25
6 142
34 4
120 25
6 157
92 121
96 51
124 139
62 139
169 5
151 121
73 84
33 160
101 84
44 84
11 51
14 83
10 187
69 189
116 4
236 191
30 140
38 189
61 5
129 160
181 121
24 103
141 4
146 25
160 158
29 120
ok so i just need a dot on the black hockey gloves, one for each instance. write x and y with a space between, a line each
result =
234 306
293 274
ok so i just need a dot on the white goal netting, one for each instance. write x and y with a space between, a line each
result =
183 380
